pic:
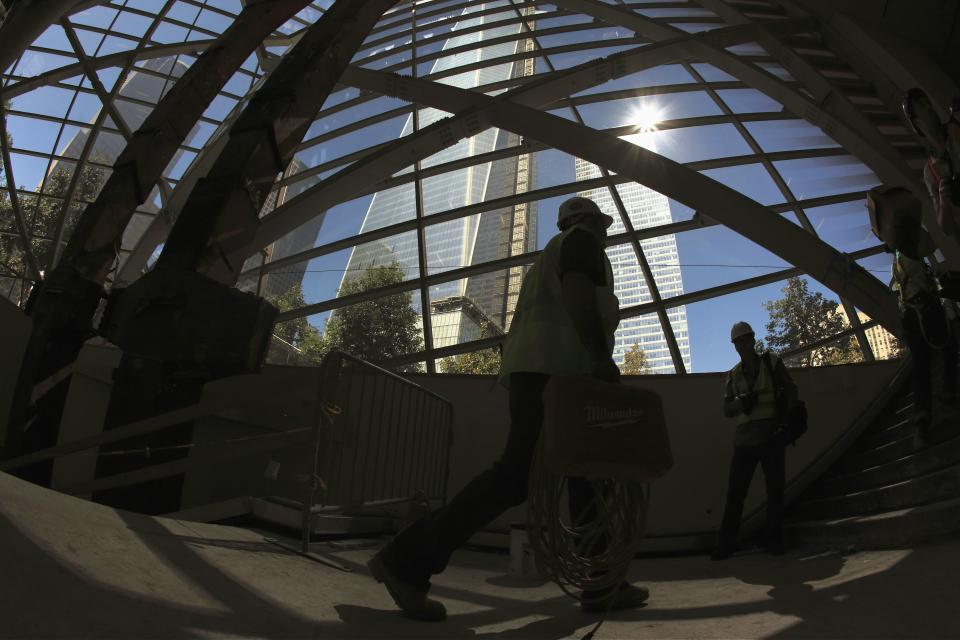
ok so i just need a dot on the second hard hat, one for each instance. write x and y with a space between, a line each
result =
739 330
577 206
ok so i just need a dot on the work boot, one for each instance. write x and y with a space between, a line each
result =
412 600
628 597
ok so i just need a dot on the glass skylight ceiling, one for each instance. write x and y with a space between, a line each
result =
486 204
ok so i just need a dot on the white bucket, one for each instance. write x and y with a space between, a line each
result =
522 561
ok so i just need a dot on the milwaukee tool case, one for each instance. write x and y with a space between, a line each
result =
598 429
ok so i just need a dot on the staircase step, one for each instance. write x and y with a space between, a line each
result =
887 452
943 453
896 431
943 484
900 528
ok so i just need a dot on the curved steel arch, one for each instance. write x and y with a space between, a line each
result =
470 118
752 220
828 109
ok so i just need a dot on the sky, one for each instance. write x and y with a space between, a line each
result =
709 257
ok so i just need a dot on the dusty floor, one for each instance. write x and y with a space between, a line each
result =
71 569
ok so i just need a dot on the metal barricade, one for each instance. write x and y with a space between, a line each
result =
382 438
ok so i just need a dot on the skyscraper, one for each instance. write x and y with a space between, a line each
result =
475 239
646 208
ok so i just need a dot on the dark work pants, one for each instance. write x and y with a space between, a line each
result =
936 329
744 463
424 547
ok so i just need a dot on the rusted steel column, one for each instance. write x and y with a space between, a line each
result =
226 204
64 305
91 249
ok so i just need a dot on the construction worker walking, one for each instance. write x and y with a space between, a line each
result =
758 391
564 324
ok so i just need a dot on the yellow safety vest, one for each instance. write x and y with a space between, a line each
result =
911 278
542 337
766 406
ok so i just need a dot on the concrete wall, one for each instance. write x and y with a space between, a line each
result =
688 501
85 410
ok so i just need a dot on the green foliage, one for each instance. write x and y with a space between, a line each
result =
42 217
635 362
801 317
375 330
484 361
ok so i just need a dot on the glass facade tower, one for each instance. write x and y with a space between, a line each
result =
646 208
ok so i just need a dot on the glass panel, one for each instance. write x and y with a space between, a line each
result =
749 101
34 63
752 180
30 134
711 74
788 135
657 76
573 58
709 323
644 110
694 143
845 225
47 101
715 256
28 171
378 329
474 308
802 313
817 177
647 333
353 141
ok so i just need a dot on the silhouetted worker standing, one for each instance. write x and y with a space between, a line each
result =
753 389
926 329
564 324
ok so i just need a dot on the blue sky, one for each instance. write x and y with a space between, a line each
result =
708 257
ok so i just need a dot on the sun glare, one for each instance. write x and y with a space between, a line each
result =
647 118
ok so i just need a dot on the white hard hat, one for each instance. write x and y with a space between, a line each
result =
739 330
578 206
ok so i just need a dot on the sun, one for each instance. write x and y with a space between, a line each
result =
647 117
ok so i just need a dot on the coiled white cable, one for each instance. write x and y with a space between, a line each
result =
591 555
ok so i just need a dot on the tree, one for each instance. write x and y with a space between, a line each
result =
42 217
484 361
379 329
635 362
801 317
298 332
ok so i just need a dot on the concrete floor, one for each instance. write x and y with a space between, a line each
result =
71 569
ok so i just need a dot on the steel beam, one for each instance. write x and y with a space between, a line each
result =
470 119
833 269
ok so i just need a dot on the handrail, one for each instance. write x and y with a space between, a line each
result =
815 469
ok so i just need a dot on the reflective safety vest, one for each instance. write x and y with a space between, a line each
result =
766 405
542 337
911 278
